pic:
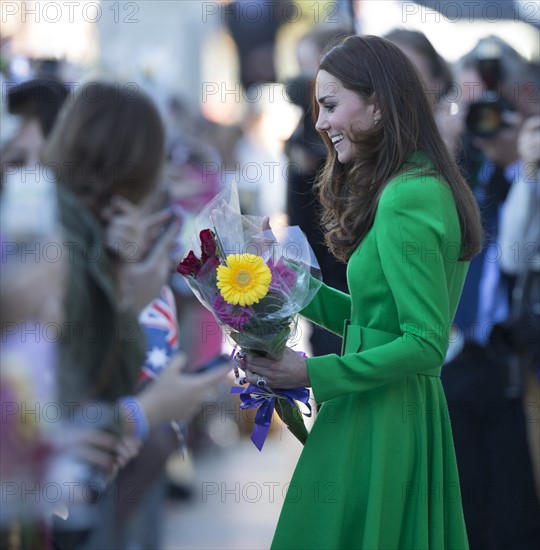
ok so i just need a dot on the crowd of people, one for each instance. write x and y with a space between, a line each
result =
105 179
109 210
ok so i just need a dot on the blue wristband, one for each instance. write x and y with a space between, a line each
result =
135 413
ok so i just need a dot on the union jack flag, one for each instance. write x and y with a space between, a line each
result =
158 321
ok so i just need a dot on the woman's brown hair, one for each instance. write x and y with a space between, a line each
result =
109 141
349 193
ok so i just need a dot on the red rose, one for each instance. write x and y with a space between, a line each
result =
190 265
208 245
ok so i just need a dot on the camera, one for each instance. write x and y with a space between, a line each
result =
485 118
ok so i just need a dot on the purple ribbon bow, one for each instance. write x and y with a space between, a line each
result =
264 399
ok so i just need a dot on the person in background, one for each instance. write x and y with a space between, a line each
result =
484 382
109 143
188 184
495 97
37 103
253 26
519 241
437 77
305 153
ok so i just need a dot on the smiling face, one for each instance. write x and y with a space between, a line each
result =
341 113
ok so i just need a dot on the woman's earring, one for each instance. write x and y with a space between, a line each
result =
376 121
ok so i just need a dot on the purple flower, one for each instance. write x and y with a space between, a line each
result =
234 316
283 277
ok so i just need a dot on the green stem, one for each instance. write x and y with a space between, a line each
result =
292 418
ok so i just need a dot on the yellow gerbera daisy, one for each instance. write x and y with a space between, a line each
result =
244 279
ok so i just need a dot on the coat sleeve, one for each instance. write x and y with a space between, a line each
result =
410 235
329 309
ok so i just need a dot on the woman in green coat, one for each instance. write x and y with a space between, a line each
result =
378 471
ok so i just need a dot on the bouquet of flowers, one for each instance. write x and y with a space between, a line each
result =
254 281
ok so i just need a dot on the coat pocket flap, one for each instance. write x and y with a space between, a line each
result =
352 338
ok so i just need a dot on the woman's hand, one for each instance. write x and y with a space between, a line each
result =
290 371
93 446
143 244
127 448
129 232
144 279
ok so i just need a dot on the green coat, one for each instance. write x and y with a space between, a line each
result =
378 471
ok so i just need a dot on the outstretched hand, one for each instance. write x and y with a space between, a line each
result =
95 447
